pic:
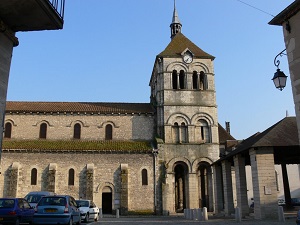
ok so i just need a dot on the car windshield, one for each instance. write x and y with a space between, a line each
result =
33 198
82 203
7 203
60 201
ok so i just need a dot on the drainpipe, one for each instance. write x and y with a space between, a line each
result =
154 152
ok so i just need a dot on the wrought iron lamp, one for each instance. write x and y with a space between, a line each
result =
279 78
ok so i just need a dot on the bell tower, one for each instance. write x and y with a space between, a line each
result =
183 92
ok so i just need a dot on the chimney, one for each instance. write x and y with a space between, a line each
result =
227 124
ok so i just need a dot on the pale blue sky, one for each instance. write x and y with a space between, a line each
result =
106 52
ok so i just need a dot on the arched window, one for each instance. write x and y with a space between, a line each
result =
174 79
144 177
205 131
203 81
108 132
8 128
77 131
34 176
183 133
71 177
182 79
43 130
176 137
195 80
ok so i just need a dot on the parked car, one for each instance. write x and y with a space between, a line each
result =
57 209
34 196
15 211
88 210
298 218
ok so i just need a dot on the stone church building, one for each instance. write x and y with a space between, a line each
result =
136 157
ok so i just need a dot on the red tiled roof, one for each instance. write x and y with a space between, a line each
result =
179 43
88 107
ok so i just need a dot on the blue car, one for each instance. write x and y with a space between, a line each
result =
15 211
58 209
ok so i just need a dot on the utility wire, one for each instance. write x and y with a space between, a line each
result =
256 8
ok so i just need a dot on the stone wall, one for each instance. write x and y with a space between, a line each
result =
61 126
98 170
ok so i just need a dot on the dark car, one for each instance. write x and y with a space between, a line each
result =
15 211
58 209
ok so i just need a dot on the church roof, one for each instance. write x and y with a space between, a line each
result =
179 43
81 107
112 146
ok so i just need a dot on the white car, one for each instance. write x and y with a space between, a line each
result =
88 210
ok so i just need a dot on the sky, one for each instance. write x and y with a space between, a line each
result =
107 48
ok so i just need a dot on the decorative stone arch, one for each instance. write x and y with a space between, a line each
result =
43 121
98 199
10 121
72 124
208 118
197 161
198 66
179 118
177 66
102 125
170 166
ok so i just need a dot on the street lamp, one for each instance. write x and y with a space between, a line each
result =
279 78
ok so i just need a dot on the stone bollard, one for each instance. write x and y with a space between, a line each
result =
194 212
199 215
205 215
117 213
281 217
238 217
190 214
100 213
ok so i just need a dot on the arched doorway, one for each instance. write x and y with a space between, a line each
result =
205 185
180 171
107 200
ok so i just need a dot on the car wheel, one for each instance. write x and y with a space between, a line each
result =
79 221
17 221
97 217
86 218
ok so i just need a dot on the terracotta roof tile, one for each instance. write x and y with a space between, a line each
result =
89 107
179 43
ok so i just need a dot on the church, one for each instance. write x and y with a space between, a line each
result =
136 157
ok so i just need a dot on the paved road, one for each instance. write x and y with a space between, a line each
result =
175 220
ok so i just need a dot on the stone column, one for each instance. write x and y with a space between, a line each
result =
218 189
264 183
210 190
227 184
7 42
193 191
241 184
168 194
51 177
124 190
89 181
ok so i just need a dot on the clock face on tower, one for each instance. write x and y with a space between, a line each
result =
187 57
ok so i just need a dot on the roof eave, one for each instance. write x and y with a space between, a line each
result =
286 14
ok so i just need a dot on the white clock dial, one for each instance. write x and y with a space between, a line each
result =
187 58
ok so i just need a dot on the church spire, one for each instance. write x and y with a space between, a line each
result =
175 25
